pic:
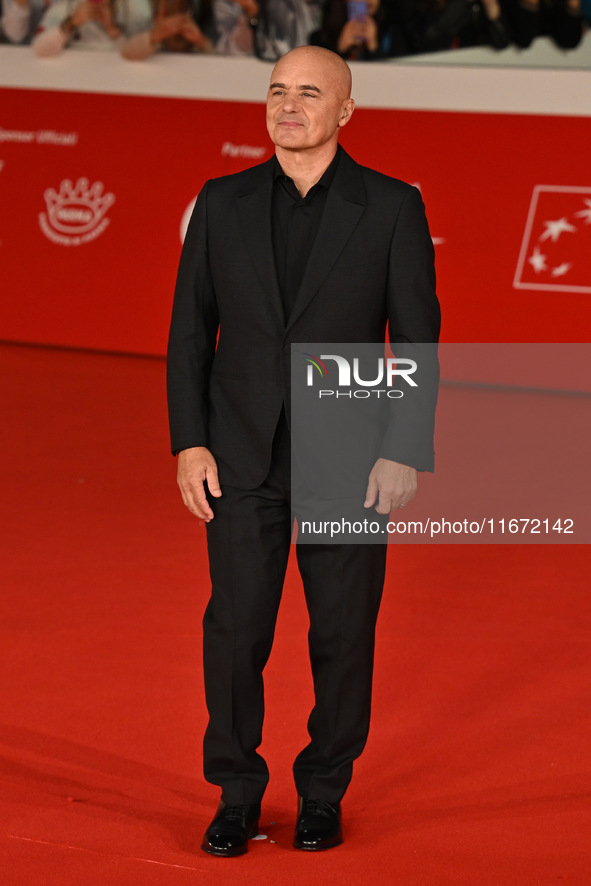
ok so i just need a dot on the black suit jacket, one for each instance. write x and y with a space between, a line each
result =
372 264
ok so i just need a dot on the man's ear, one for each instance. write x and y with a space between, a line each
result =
346 111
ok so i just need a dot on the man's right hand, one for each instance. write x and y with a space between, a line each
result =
195 467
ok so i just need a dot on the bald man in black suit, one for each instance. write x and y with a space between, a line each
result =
307 247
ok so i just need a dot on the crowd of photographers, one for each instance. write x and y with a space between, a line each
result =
356 29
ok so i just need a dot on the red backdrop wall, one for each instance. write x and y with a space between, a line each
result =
96 268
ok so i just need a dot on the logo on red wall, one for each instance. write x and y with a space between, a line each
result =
556 247
76 214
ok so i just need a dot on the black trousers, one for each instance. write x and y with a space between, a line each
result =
248 543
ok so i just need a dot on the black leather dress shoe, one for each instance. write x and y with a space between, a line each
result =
318 826
231 829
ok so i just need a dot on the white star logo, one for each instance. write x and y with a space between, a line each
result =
538 261
555 228
562 269
585 213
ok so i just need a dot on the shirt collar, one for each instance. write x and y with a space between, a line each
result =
325 179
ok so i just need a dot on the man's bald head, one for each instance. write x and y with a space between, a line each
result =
309 101
324 61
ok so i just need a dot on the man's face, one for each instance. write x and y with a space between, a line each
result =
308 101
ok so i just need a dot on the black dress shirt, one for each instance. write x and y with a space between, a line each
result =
294 222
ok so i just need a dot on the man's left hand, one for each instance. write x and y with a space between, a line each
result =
391 484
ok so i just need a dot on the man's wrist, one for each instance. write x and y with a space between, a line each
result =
187 449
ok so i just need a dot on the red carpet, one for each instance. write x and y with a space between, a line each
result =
479 757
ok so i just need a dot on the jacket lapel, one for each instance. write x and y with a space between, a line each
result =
254 210
345 204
